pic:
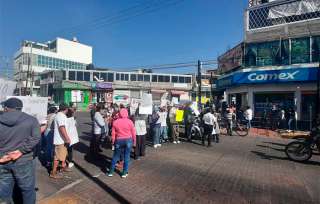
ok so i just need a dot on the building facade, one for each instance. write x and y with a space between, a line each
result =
277 63
91 86
60 54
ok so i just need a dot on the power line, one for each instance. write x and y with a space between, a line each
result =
129 14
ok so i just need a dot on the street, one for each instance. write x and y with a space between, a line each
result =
237 170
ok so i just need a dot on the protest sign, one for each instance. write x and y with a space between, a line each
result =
6 88
72 131
121 97
134 105
35 106
179 115
146 104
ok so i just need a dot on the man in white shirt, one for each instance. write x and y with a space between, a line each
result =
60 140
208 120
248 115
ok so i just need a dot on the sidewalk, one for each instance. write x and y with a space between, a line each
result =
256 132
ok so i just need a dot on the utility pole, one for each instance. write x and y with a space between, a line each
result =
211 86
199 85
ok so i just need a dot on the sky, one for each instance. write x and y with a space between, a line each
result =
165 32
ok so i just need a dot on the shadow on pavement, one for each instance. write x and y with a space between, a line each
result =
102 185
275 143
276 149
263 155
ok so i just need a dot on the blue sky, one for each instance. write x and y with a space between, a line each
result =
186 31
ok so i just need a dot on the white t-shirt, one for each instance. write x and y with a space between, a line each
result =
249 114
208 118
60 120
163 118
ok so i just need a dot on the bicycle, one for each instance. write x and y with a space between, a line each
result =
238 127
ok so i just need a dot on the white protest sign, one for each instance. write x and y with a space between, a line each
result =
72 132
146 104
121 97
6 88
35 106
134 105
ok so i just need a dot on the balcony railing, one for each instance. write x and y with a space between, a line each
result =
282 12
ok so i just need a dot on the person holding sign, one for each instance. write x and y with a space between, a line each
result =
20 133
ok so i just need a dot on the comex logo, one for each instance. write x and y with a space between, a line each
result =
275 76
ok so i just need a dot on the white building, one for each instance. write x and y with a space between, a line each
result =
33 58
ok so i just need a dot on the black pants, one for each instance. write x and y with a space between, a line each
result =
216 138
95 143
207 133
140 149
70 154
188 130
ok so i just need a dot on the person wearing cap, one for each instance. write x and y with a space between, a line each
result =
20 133
61 141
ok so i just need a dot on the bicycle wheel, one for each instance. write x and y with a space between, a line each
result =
241 130
298 151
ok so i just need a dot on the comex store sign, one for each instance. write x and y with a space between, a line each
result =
271 77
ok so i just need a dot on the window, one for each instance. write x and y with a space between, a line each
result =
315 49
174 79
72 75
103 76
64 75
188 80
86 76
110 77
140 77
181 79
166 78
160 78
133 77
126 77
154 78
79 76
146 77
117 76
96 76
300 50
122 77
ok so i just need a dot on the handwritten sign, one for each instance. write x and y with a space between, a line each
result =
35 106
146 104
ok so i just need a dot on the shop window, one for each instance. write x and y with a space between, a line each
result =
86 76
300 50
154 78
133 77
146 78
174 79
110 77
72 75
79 76
250 55
316 49
140 77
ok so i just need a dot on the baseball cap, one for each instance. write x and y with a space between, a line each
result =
13 103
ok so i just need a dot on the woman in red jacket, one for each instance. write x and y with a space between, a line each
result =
123 138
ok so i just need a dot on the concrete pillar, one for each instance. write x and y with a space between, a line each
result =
250 96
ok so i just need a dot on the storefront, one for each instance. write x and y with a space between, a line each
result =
262 89
102 92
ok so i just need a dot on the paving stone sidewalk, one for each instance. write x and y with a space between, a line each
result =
238 170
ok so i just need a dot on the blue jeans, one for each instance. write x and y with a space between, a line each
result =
156 134
49 146
119 146
164 132
248 124
21 172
